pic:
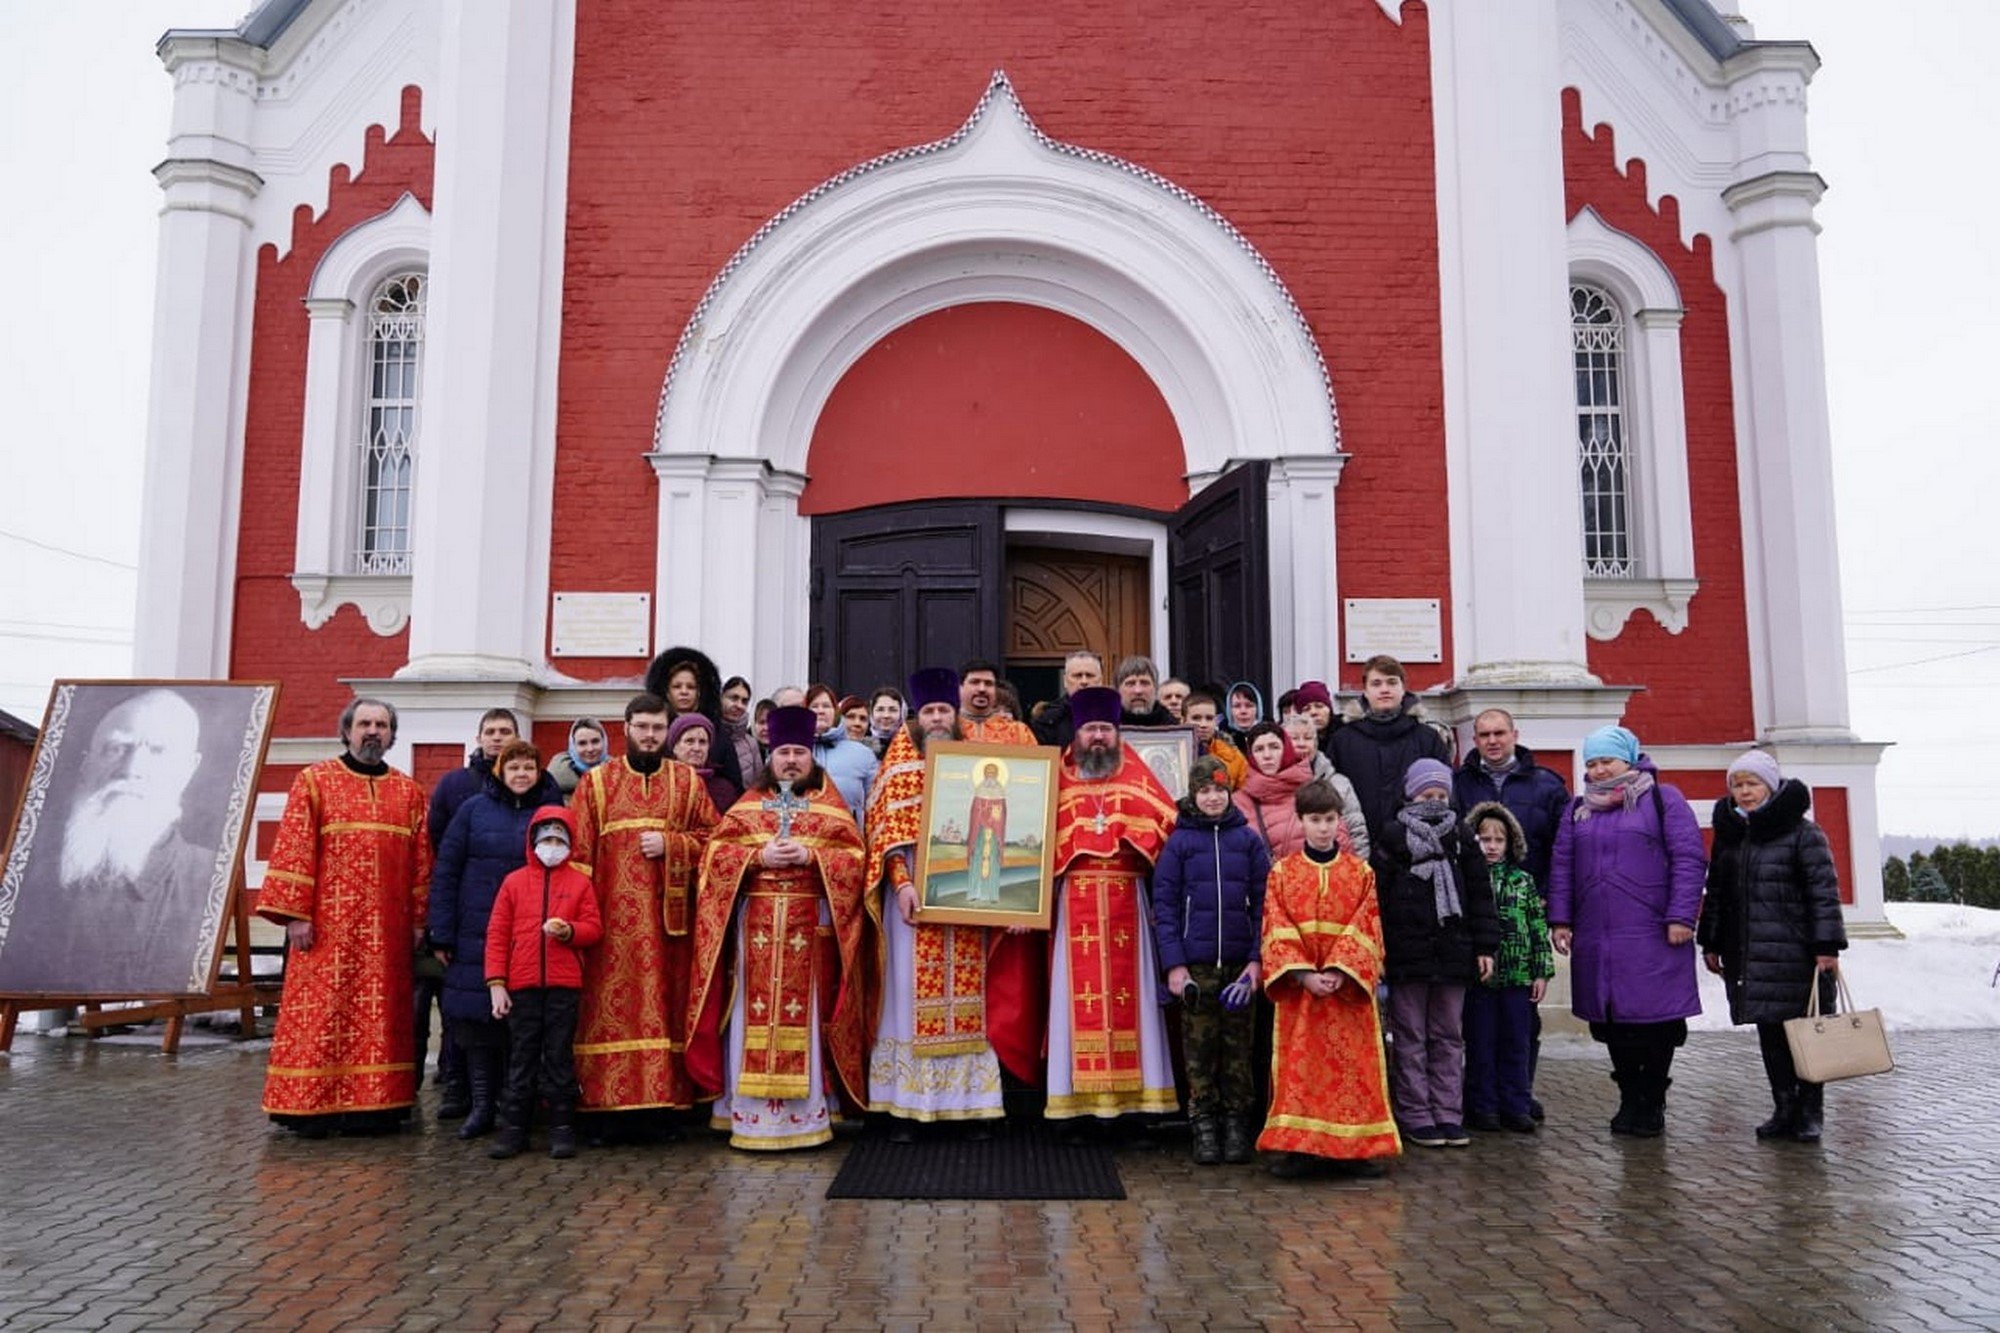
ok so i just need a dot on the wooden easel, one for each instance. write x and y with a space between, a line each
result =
243 994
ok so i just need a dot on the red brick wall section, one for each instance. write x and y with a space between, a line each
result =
434 761
1698 681
1307 125
268 640
1010 400
1830 811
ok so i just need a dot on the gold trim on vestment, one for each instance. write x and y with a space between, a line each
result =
1330 1127
361 827
1106 1105
290 1113
645 824
809 1139
340 1071
635 1044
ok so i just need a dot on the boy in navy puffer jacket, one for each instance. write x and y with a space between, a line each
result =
545 916
1208 916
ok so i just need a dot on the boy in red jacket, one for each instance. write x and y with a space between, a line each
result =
543 919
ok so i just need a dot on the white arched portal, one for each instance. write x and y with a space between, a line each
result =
996 212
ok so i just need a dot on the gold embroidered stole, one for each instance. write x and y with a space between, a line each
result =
781 957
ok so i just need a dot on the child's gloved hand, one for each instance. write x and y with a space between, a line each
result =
1237 994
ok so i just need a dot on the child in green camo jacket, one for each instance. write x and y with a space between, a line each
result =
1500 1014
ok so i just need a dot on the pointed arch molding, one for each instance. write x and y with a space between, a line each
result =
998 211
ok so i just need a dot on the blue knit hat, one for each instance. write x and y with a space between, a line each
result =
1611 743
1423 774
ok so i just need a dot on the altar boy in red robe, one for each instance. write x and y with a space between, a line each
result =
1322 959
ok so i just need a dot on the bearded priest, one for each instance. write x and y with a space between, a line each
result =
787 956
954 997
1107 1045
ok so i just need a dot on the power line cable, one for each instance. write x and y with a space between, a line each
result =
64 550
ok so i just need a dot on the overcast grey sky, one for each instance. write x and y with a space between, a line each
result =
1900 130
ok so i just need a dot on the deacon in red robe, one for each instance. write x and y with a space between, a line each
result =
348 879
1322 953
786 965
1108 1051
642 821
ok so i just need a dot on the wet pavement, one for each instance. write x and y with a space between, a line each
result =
139 1191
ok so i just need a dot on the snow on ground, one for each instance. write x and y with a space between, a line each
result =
1940 975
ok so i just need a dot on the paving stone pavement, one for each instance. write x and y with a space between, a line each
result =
139 1191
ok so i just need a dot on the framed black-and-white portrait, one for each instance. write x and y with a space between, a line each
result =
129 837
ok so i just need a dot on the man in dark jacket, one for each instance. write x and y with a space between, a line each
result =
1504 770
1138 694
1052 723
1375 750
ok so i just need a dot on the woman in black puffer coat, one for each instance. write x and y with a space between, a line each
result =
1771 923
486 841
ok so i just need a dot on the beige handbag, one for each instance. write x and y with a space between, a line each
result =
1846 1043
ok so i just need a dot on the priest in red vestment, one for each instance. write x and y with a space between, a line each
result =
956 999
787 958
1107 1045
348 879
642 821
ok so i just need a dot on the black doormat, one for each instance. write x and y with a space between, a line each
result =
1021 1161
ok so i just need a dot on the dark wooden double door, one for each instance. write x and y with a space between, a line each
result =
934 583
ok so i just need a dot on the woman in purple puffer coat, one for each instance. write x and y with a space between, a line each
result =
1624 895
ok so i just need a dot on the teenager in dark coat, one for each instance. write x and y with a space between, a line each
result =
1771 923
1375 750
1208 920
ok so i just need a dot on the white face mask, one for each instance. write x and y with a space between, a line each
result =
552 853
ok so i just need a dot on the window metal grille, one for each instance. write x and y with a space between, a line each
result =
389 449
1597 338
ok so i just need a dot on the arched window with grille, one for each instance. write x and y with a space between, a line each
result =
1598 343
389 442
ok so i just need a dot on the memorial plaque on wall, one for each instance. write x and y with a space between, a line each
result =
1408 629
601 624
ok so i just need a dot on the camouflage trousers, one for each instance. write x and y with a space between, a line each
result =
1216 1044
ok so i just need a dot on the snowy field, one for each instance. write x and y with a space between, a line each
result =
1940 975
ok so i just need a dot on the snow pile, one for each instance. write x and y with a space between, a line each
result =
1940 975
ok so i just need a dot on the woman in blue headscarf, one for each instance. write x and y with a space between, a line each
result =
1624 896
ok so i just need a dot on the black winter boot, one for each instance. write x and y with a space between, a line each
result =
562 1132
1784 1120
511 1141
482 1076
1207 1141
1650 1120
1807 1125
1239 1141
1626 1119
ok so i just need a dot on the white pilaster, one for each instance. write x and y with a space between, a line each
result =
721 519
1305 574
194 416
486 442
1517 568
783 555
1787 459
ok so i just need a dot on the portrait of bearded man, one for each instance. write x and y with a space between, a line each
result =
120 891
